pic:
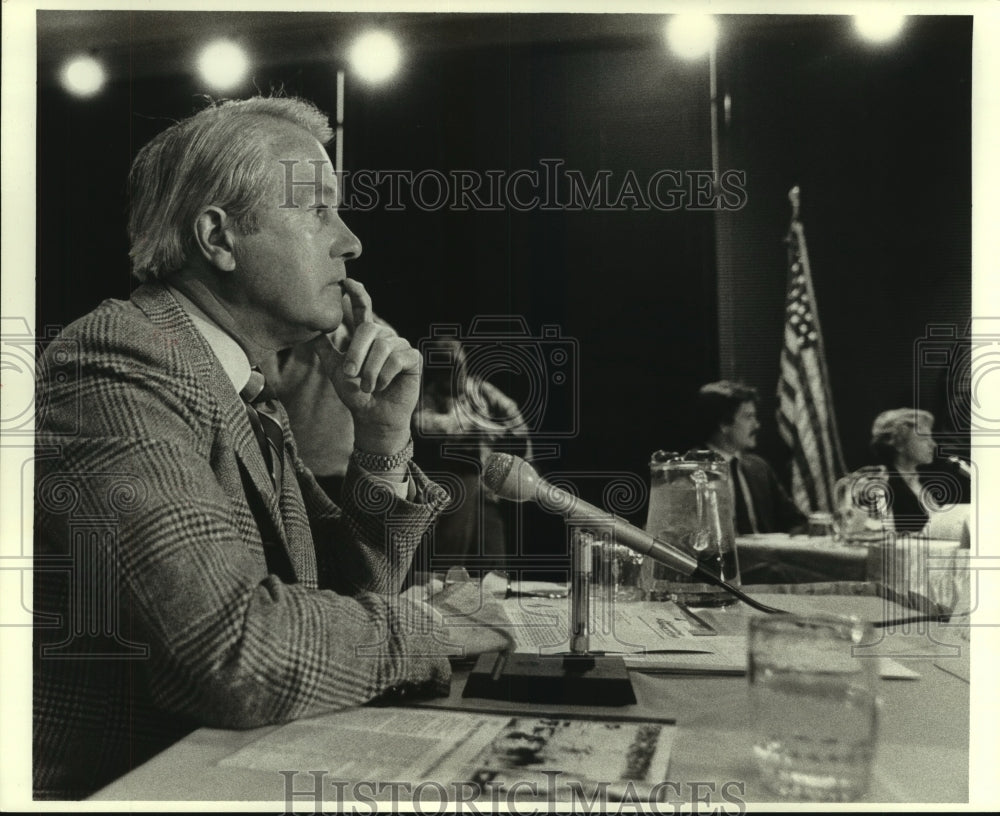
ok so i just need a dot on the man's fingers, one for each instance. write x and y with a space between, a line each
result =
387 358
404 360
471 640
378 353
327 352
365 335
361 301
376 356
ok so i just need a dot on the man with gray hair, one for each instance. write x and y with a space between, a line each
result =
228 590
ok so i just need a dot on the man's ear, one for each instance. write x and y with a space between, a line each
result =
213 234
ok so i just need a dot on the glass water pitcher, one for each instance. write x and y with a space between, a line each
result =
691 508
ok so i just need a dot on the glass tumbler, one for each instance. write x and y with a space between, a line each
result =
815 706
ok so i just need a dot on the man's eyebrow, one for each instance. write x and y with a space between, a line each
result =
327 195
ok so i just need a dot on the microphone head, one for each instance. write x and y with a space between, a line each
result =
510 477
497 469
961 464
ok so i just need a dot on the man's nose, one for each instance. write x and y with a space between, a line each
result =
347 245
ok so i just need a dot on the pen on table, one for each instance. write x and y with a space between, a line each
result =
700 622
535 593
668 628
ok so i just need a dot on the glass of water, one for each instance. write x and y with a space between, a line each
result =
616 570
815 706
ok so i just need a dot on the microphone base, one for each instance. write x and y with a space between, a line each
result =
584 679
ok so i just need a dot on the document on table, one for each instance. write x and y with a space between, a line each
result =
542 624
652 636
544 756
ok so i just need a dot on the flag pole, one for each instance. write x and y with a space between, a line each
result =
713 88
338 162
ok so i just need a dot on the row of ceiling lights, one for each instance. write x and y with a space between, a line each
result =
375 55
223 65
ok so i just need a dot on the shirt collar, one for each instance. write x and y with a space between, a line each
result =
727 455
231 356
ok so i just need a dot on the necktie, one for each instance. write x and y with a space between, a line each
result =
743 523
264 419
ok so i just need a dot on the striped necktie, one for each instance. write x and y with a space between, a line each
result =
262 411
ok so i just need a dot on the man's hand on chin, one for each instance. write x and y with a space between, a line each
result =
377 376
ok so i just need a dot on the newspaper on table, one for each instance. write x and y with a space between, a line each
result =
466 754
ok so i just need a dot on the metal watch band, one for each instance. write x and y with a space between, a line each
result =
377 463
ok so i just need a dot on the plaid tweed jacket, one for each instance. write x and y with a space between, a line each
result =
155 612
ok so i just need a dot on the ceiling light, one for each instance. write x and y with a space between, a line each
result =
879 26
83 76
223 65
692 35
375 56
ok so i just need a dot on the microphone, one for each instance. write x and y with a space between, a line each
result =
961 464
510 477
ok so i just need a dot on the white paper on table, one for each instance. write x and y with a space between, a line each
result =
362 743
732 659
768 540
646 633
405 745
541 626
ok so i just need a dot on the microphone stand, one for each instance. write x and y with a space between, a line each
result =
579 596
581 677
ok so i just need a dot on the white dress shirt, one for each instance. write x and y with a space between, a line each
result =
236 364
743 487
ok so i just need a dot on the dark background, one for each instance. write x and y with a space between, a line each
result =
649 304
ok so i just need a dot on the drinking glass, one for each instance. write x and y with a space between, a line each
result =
616 570
815 706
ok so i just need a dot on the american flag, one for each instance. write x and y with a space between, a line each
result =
805 406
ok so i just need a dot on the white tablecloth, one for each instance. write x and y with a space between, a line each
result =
912 566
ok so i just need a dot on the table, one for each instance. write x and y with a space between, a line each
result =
922 754
819 558
907 564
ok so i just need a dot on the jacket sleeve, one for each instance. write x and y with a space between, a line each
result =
228 645
369 545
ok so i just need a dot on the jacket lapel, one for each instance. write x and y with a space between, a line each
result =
298 531
191 347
